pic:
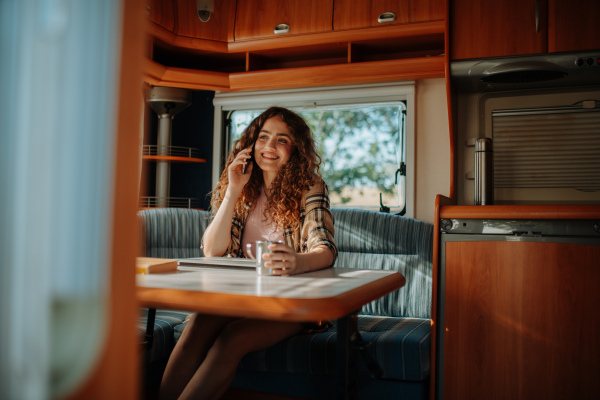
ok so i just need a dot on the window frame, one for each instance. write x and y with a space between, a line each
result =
311 98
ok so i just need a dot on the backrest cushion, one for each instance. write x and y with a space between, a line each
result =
173 232
365 239
375 240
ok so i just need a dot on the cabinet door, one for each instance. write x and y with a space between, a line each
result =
351 14
483 28
257 19
572 25
218 27
161 13
521 320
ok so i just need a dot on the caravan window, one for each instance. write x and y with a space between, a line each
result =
363 145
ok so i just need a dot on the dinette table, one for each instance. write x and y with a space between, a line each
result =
328 294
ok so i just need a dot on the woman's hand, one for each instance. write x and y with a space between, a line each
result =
237 180
283 260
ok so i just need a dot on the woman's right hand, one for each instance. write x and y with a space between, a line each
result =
237 180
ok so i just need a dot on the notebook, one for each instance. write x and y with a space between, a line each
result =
150 265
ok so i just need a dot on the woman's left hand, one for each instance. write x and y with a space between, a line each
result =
283 260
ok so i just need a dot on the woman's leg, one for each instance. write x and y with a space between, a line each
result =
189 352
239 338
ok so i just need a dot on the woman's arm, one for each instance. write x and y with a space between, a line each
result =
318 231
217 236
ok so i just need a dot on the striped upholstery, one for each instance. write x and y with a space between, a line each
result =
397 325
400 345
164 329
173 232
369 239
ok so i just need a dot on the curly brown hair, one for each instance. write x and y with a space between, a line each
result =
293 179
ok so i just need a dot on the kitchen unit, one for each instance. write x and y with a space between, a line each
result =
517 298
515 282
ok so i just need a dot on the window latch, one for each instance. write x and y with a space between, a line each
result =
401 171
383 208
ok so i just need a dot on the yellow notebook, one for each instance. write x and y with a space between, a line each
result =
150 265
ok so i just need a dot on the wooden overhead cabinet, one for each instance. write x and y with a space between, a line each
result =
352 14
572 25
481 28
262 19
219 26
161 12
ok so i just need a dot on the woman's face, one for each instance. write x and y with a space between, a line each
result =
274 146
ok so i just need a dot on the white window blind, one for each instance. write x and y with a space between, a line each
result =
556 147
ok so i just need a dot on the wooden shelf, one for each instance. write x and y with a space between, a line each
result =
368 55
159 75
340 74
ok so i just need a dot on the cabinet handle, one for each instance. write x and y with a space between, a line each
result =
537 16
281 28
386 17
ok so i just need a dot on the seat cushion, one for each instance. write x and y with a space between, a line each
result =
400 345
164 329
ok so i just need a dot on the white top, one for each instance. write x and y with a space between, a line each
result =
260 227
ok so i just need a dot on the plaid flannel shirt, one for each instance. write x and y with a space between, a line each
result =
316 224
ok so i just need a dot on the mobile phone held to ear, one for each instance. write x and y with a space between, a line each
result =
248 160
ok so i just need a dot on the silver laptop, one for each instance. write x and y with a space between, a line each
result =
224 262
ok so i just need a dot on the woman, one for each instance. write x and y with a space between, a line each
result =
270 190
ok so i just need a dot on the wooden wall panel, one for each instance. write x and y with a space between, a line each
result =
521 320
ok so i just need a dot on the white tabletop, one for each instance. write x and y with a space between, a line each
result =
325 294
329 282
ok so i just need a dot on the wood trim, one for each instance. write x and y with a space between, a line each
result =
174 159
153 71
158 32
159 75
367 72
522 212
406 30
449 99
117 374
440 201
356 73
219 80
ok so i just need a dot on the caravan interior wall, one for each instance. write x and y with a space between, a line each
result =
546 145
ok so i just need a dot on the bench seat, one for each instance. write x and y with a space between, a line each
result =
398 325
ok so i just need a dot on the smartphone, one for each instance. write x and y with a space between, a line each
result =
249 160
